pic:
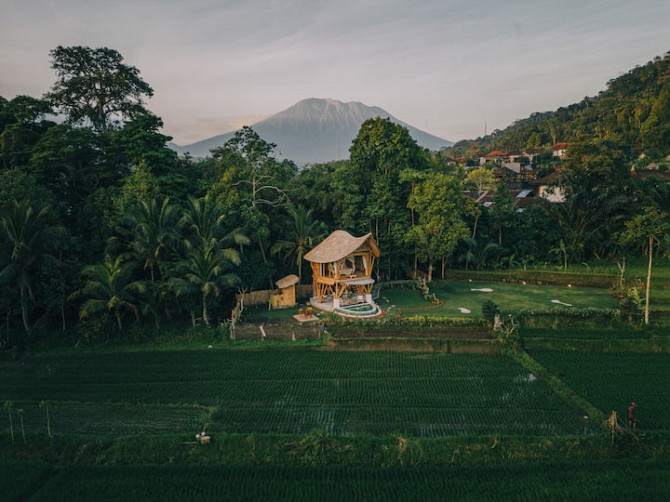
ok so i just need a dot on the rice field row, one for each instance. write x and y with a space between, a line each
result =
579 480
611 381
286 391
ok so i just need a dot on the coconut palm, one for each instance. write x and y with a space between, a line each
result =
206 271
304 234
26 234
478 254
154 227
206 266
108 288
201 222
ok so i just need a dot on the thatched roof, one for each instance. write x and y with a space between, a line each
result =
287 281
339 245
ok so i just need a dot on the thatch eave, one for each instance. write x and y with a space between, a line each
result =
339 245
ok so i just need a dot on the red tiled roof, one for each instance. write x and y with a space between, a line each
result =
559 146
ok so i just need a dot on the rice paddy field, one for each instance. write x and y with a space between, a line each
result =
294 422
611 381
541 481
287 392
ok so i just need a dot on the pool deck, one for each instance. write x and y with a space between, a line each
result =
327 306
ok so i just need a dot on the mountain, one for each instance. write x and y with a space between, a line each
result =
315 130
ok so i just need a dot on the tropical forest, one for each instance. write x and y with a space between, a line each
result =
522 277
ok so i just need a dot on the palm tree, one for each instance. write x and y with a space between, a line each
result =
305 233
26 234
108 288
647 228
201 222
206 271
208 259
478 254
155 230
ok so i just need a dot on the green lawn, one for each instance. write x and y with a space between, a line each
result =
460 295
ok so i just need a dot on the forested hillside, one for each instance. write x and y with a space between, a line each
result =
103 227
633 111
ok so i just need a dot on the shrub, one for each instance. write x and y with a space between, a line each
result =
489 311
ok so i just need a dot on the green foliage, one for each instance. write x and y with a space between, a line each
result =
304 234
489 310
21 477
108 289
436 198
373 191
94 86
630 111
107 174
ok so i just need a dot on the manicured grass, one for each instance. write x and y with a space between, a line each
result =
458 295
285 391
611 381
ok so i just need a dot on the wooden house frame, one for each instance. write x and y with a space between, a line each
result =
341 265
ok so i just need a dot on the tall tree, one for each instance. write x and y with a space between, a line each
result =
374 197
437 199
502 213
647 228
108 288
22 123
206 271
95 86
27 237
253 185
304 233
154 231
207 263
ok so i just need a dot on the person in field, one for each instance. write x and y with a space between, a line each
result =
632 422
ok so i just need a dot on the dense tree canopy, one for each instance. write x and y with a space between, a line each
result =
95 87
103 227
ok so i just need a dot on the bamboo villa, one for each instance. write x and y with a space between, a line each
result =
342 274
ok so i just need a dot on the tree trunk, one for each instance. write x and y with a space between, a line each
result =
646 294
24 312
204 310
474 228
118 319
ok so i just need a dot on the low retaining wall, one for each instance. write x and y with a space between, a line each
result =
284 332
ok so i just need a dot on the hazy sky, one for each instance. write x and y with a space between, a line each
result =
449 67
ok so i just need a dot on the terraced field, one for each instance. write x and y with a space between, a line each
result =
285 391
611 381
539 481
